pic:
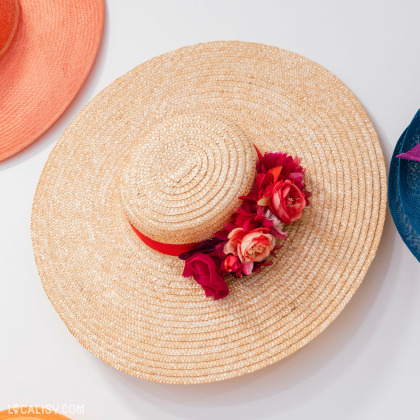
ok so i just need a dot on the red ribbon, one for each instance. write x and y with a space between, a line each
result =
170 249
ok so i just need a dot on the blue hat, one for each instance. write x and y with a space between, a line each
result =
404 186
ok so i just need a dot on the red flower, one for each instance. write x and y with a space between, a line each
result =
248 217
243 246
287 201
232 264
289 167
274 167
203 268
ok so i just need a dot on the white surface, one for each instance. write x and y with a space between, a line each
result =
366 364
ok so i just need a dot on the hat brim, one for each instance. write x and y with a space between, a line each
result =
31 413
45 66
404 188
130 305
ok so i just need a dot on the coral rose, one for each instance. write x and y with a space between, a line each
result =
256 246
250 247
287 201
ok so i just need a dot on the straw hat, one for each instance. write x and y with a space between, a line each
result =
169 147
31 413
46 51
404 186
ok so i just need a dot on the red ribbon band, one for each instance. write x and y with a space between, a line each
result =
168 249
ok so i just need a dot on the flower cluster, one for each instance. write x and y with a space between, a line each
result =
255 230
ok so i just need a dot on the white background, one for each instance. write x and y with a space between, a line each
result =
366 365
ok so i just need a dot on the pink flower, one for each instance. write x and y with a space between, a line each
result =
234 240
287 201
254 246
203 268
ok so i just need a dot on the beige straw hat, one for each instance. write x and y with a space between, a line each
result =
169 147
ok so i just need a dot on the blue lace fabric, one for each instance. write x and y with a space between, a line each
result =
404 188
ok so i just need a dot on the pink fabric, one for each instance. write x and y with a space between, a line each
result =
413 154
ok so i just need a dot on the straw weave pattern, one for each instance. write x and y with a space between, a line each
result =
130 305
185 176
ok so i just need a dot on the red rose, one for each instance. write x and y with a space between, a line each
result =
287 201
203 268
232 264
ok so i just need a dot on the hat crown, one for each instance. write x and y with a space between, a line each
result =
9 19
183 180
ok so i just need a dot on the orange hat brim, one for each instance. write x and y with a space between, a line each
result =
30 413
45 66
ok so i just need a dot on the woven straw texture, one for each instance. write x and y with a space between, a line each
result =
130 305
45 65
208 163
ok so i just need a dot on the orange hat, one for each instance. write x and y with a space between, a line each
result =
46 51
30 413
